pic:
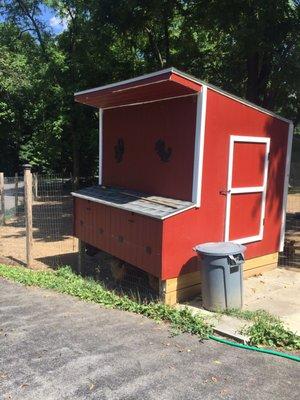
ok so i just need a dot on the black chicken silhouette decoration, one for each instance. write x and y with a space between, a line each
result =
162 150
119 150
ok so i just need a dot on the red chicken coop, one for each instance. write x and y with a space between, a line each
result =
182 162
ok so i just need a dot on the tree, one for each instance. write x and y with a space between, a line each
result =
248 47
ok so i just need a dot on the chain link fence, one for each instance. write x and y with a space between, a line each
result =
54 244
12 222
13 197
119 276
290 257
52 213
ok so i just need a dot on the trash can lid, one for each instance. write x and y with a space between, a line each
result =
220 248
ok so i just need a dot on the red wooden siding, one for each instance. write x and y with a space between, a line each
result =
133 238
182 232
248 164
245 215
140 127
165 248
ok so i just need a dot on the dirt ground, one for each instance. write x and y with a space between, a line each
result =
293 203
53 243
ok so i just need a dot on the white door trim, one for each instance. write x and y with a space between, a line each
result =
199 146
251 189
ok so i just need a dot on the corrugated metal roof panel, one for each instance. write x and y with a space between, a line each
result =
133 201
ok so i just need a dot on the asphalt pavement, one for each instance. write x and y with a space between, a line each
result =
53 346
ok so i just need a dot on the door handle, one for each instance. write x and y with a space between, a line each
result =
224 192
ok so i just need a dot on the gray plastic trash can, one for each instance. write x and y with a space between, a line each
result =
222 274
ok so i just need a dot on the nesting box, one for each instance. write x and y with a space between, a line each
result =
182 162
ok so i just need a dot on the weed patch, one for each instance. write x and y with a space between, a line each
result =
266 330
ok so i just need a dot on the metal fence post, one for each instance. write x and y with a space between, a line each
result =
2 199
28 212
16 193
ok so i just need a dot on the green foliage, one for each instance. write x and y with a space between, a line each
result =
270 331
266 330
248 315
64 280
251 48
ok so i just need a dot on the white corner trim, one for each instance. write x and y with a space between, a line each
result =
199 146
250 189
125 82
286 184
100 146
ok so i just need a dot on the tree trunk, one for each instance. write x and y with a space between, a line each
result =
252 91
166 36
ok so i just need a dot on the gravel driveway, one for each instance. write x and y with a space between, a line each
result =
53 346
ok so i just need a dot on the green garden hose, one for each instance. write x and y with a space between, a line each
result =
245 346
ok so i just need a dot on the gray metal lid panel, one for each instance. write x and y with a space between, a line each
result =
134 201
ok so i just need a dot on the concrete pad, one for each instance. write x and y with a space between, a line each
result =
277 292
223 325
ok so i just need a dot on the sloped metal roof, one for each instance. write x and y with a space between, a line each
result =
133 201
172 86
163 85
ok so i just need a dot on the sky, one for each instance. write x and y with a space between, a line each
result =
51 19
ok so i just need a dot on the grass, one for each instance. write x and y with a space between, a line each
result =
64 280
266 330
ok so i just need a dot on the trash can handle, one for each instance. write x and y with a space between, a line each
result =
233 259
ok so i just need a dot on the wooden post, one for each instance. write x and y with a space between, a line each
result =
2 199
16 193
28 212
81 250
